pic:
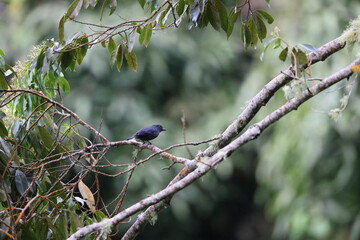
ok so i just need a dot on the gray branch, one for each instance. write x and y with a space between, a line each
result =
226 147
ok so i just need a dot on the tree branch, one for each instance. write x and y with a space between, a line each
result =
55 103
259 100
265 94
251 133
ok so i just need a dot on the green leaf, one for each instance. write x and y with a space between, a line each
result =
245 35
113 6
49 121
180 7
222 14
40 227
66 59
159 18
277 43
131 59
233 16
74 9
261 28
2 52
153 4
81 52
3 82
283 54
164 16
79 56
3 131
253 32
203 19
61 28
119 57
40 60
45 137
111 49
140 31
103 9
35 228
142 3
64 84
145 35
213 16
11 69
266 15
268 42
111 46
61 227
21 181
73 63
5 150
84 48
99 215
75 222
300 57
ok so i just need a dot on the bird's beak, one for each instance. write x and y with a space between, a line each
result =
163 129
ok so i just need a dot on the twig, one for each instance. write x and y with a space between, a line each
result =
257 102
265 94
297 78
57 104
250 134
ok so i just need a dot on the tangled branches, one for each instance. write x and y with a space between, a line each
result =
46 156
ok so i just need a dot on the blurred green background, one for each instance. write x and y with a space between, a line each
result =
299 180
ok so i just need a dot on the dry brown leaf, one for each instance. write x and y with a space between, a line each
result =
87 196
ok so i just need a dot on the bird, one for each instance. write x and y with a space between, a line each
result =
148 133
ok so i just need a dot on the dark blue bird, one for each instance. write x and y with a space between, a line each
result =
148 133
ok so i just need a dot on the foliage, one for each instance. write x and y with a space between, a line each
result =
41 139
120 39
44 149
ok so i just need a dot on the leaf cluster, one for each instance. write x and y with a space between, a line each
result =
40 140
120 39
35 134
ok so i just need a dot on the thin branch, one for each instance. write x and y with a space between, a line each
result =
265 94
238 125
101 36
250 134
55 103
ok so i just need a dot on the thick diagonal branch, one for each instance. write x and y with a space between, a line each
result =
259 100
251 133
266 93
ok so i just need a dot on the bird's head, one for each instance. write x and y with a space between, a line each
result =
160 128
